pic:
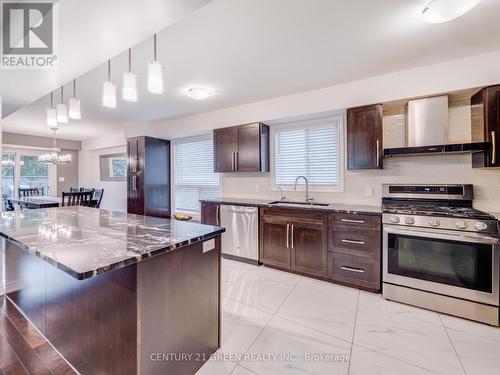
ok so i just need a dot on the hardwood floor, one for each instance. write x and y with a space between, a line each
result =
22 349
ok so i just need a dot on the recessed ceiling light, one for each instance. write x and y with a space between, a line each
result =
439 11
199 93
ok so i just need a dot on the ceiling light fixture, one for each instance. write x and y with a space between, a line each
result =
129 83
52 114
439 11
62 110
54 156
109 91
156 82
74 105
199 93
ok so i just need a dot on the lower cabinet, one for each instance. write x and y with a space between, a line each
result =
210 214
294 240
309 243
275 242
344 248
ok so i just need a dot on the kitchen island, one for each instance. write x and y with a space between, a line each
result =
116 293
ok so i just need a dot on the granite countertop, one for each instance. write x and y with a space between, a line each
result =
333 207
85 242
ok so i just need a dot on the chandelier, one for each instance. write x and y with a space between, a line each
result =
54 156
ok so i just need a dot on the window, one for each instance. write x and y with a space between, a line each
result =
33 173
21 169
312 149
194 176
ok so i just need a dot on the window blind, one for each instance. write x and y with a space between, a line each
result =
194 176
311 152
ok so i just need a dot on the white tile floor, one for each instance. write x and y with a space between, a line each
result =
272 320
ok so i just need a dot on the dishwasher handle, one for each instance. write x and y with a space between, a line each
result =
239 209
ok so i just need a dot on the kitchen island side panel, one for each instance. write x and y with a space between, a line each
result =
91 322
119 321
179 299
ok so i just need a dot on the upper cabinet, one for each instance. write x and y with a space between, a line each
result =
485 114
364 137
243 148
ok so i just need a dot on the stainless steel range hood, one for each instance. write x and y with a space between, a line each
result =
427 130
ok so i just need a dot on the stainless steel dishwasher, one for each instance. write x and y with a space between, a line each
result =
241 239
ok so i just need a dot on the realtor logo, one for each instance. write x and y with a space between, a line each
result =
28 35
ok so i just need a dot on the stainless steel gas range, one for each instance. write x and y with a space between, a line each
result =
440 253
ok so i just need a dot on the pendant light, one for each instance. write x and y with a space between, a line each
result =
74 105
129 83
156 83
109 91
52 114
62 110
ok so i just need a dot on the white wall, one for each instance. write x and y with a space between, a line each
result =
460 74
115 192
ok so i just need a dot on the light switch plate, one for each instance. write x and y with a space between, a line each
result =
61 179
208 245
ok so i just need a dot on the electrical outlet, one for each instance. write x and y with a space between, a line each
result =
368 191
257 188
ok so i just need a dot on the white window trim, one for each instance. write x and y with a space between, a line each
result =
311 124
195 214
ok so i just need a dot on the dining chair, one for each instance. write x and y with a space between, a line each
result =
80 198
98 193
30 192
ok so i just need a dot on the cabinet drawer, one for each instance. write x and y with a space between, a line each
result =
355 221
364 241
355 270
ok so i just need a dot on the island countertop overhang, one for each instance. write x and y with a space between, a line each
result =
85 242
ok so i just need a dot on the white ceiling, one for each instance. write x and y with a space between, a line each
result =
253 50
89 32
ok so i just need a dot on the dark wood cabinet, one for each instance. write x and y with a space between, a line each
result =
210 213
148 181
243 148
342 248
309 242
294 240
275 241
485 116
355 250
364 137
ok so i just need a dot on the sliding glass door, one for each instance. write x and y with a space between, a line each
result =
21 169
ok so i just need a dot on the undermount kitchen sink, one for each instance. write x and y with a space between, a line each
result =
285 203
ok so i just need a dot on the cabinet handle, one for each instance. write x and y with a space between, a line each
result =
351 269
234 162
217 220
378 153
288 236
134 183
236 157
493 146
352 221
293 227
354 242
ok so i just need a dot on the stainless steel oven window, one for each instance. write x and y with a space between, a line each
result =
427 264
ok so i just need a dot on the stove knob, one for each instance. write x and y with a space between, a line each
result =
481 226
395 219
409 220
434 223
461 224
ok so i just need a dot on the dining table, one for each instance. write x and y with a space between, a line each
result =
39 201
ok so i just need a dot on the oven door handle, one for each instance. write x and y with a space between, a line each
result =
443 236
